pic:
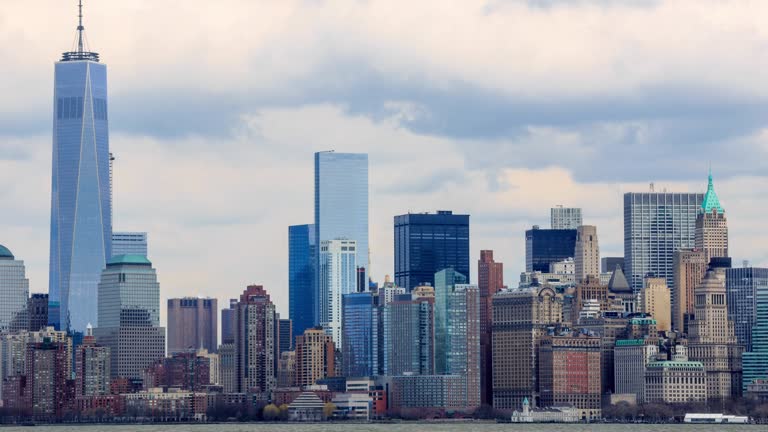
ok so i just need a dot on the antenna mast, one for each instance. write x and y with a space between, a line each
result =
81 53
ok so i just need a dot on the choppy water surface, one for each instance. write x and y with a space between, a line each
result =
402 427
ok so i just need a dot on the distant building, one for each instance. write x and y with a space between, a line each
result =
37 311
608 264
286 369
619 288
14 291
561 414
655 226
228 367
306 408
360 327
675 382
315 357
565 218
744 286
569 373
284 336
129 315
48 381
655 301
521 319
544 247
229 323
490 280
408 324
183 370
712 339
427 243
463 340
337 276
629 361
712 225
92 368
192 324
301 277
422 395
341 205
587 253
129 243
756 360
255 343
690 266
446 282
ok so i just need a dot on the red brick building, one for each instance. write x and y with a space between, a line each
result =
569 373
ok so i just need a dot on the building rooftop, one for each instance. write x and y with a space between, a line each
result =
129 260
670 364
711 201
618 282
5 252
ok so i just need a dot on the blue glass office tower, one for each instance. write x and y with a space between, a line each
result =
427 243
360 329
341 201
755 362
546 246
301 277
742 287
81 218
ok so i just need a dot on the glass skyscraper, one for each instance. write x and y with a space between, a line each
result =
129 243
755 362
656 225
546 246
742 286
446 282
301 276
14 290
360 329
341 201
336 277
427 243
81 216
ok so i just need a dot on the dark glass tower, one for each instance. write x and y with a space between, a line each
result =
301 276
81 217
546 246
360 329
427 243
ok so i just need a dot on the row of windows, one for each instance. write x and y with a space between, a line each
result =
68 108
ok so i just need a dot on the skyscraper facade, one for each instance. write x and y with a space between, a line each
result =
192 324
341 201
14 291
337 276
587 253
463 339
655 226
712 339
569 373
129 243
409 334
446 282
92 363
301 277
544 247
229 323
37 311
129 315
360 328
565 218
712 225
255 342
490 280
520 320
743 287
315 357
690 266
755 362
81 201
656 302
427 243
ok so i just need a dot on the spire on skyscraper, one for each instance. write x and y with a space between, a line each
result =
80 53
711 201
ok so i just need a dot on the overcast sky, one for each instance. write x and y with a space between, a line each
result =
500 109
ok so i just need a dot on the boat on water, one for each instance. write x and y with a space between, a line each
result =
715 419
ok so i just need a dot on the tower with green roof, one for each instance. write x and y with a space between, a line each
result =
14 290
711 225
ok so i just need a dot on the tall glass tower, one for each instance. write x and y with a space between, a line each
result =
341 202
81 216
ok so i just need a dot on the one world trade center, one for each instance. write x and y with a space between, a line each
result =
81 202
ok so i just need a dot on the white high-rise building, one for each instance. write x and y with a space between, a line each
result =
338 276
129 243
14 291
565 217
587 253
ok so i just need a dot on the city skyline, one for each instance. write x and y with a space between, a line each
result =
201 222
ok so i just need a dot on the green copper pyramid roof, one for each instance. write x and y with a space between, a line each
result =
711 201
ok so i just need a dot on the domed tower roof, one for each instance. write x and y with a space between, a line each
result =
5 253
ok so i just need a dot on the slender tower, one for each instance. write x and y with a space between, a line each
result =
712 225
81 208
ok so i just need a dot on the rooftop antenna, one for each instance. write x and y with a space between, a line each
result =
80 27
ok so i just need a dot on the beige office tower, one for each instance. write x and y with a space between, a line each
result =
712 226
520 320
690 268
655 301
712 339
587 254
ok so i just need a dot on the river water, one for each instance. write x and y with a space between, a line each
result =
401 427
